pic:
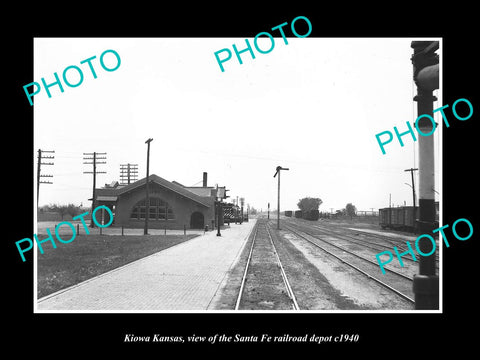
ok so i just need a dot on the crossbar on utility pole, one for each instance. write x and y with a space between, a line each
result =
128 173
147 200
279 168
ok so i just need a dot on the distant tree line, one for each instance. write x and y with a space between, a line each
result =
308 208
351 210
62 210
348 210
309 204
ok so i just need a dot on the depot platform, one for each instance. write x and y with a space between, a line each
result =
185 277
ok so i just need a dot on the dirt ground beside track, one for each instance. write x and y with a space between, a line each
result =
318 281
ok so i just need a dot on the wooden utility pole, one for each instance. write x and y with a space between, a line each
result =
147 200
413 188
94 162
40 158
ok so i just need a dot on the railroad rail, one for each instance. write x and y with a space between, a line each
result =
362 242
359 256
263 247
398 243
390 241
305 235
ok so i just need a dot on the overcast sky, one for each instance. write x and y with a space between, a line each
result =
313 106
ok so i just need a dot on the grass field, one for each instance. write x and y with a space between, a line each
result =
91 255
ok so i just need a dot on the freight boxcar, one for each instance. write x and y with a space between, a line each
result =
409 217
396 218
384 217
399 218
311 215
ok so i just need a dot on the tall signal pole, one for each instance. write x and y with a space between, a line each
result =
40 158
279 168
426 76
147 201
94 162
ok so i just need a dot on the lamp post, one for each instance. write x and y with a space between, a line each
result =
279 168
242 202
218 203
219 208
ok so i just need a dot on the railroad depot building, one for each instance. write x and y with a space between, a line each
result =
172 205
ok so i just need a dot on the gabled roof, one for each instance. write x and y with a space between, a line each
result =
166 184
177 183
106 194
200 191
106 191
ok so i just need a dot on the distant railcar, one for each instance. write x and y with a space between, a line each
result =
288 213
399 218
298 214
231 213
409 217
311 215
396 218
384 217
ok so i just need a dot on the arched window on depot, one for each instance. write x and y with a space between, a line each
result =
159 210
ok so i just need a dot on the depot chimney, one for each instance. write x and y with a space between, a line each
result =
204 179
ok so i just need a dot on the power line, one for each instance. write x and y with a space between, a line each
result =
201 181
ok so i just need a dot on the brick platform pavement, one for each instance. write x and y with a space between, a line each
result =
183 277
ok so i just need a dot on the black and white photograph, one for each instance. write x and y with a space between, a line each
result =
289 222
269 182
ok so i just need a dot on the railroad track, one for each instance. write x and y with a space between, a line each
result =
362 242
264 284
392 280
390 241
399 243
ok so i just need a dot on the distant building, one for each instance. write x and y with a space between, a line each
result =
172 205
